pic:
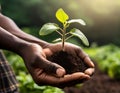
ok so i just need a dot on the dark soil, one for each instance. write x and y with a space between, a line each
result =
99 83
70 62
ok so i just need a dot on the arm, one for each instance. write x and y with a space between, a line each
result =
9 25
10 42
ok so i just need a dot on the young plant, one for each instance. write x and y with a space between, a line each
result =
62 31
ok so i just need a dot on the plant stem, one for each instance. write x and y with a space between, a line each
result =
68 37
63 38
58 32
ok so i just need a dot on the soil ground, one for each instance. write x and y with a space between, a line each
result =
99 83
70 62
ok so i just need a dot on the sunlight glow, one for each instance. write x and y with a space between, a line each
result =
103 6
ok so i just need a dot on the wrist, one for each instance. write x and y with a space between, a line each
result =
29 50
43 44
10 42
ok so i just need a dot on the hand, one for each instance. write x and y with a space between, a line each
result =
45 72
74 51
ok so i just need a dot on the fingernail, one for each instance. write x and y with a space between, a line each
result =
89 71
60 72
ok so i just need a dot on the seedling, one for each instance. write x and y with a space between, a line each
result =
63 17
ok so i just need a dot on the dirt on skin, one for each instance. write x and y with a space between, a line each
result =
99 83
70 62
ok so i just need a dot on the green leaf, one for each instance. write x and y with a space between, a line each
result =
48 28
61 15
79 34
80 21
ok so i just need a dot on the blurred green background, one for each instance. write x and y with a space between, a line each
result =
101 16
102 30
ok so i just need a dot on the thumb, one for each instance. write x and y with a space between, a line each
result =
53 68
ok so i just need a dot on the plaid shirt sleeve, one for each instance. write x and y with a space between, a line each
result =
8 82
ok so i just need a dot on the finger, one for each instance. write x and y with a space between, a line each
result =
67 80
52 68
88 61
85 58
75 78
